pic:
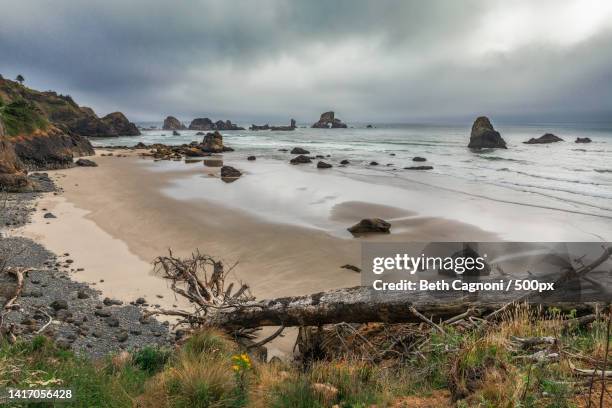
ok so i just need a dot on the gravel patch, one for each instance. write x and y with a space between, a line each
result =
72 313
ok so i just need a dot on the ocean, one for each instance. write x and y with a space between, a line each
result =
566 175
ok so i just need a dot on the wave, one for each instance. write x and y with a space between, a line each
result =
497 158
564 180
603 170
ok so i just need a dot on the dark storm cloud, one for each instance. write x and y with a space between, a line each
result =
271 59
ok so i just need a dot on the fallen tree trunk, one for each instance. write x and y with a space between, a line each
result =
362 305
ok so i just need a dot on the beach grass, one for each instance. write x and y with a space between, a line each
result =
463 368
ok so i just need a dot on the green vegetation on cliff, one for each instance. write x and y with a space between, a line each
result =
63 111
21 117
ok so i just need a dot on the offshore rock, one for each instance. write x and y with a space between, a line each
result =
484 136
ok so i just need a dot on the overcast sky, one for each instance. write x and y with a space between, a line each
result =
269 60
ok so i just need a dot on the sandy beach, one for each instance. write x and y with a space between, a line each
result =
285 226
115 219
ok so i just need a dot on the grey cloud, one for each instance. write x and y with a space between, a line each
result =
405 60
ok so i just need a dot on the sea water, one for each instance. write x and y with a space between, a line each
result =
568 175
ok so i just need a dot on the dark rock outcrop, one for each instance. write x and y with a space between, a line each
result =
251 158
419 168
13 176
544 139
344 162
299 150
301 159
86 163
351 268
583 140
213 143
207 124
231 172
484 136
274 128
52 150
284 128
202 124
328 120
369 225
323 165
175 133
120 125
419 159
172 123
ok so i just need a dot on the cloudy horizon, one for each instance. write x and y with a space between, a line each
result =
267 61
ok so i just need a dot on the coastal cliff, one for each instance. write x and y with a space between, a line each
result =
64 112
30 139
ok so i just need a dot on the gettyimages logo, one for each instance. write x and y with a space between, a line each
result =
464 261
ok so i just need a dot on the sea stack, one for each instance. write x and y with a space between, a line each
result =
172 123
208 124
484 136
120 125
544 139
328 120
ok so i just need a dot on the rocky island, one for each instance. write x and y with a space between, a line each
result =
207 124
172 123
329 121
484 136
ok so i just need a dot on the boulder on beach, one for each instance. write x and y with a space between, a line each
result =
213 143
419 159
369 225
323 165
301 159
544 139
583 140
345 162
251 158
484 136
86 163
328 120
231 172
172 123
373 163
194 152
299 150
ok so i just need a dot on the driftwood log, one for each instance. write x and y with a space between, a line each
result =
201 279
362 305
